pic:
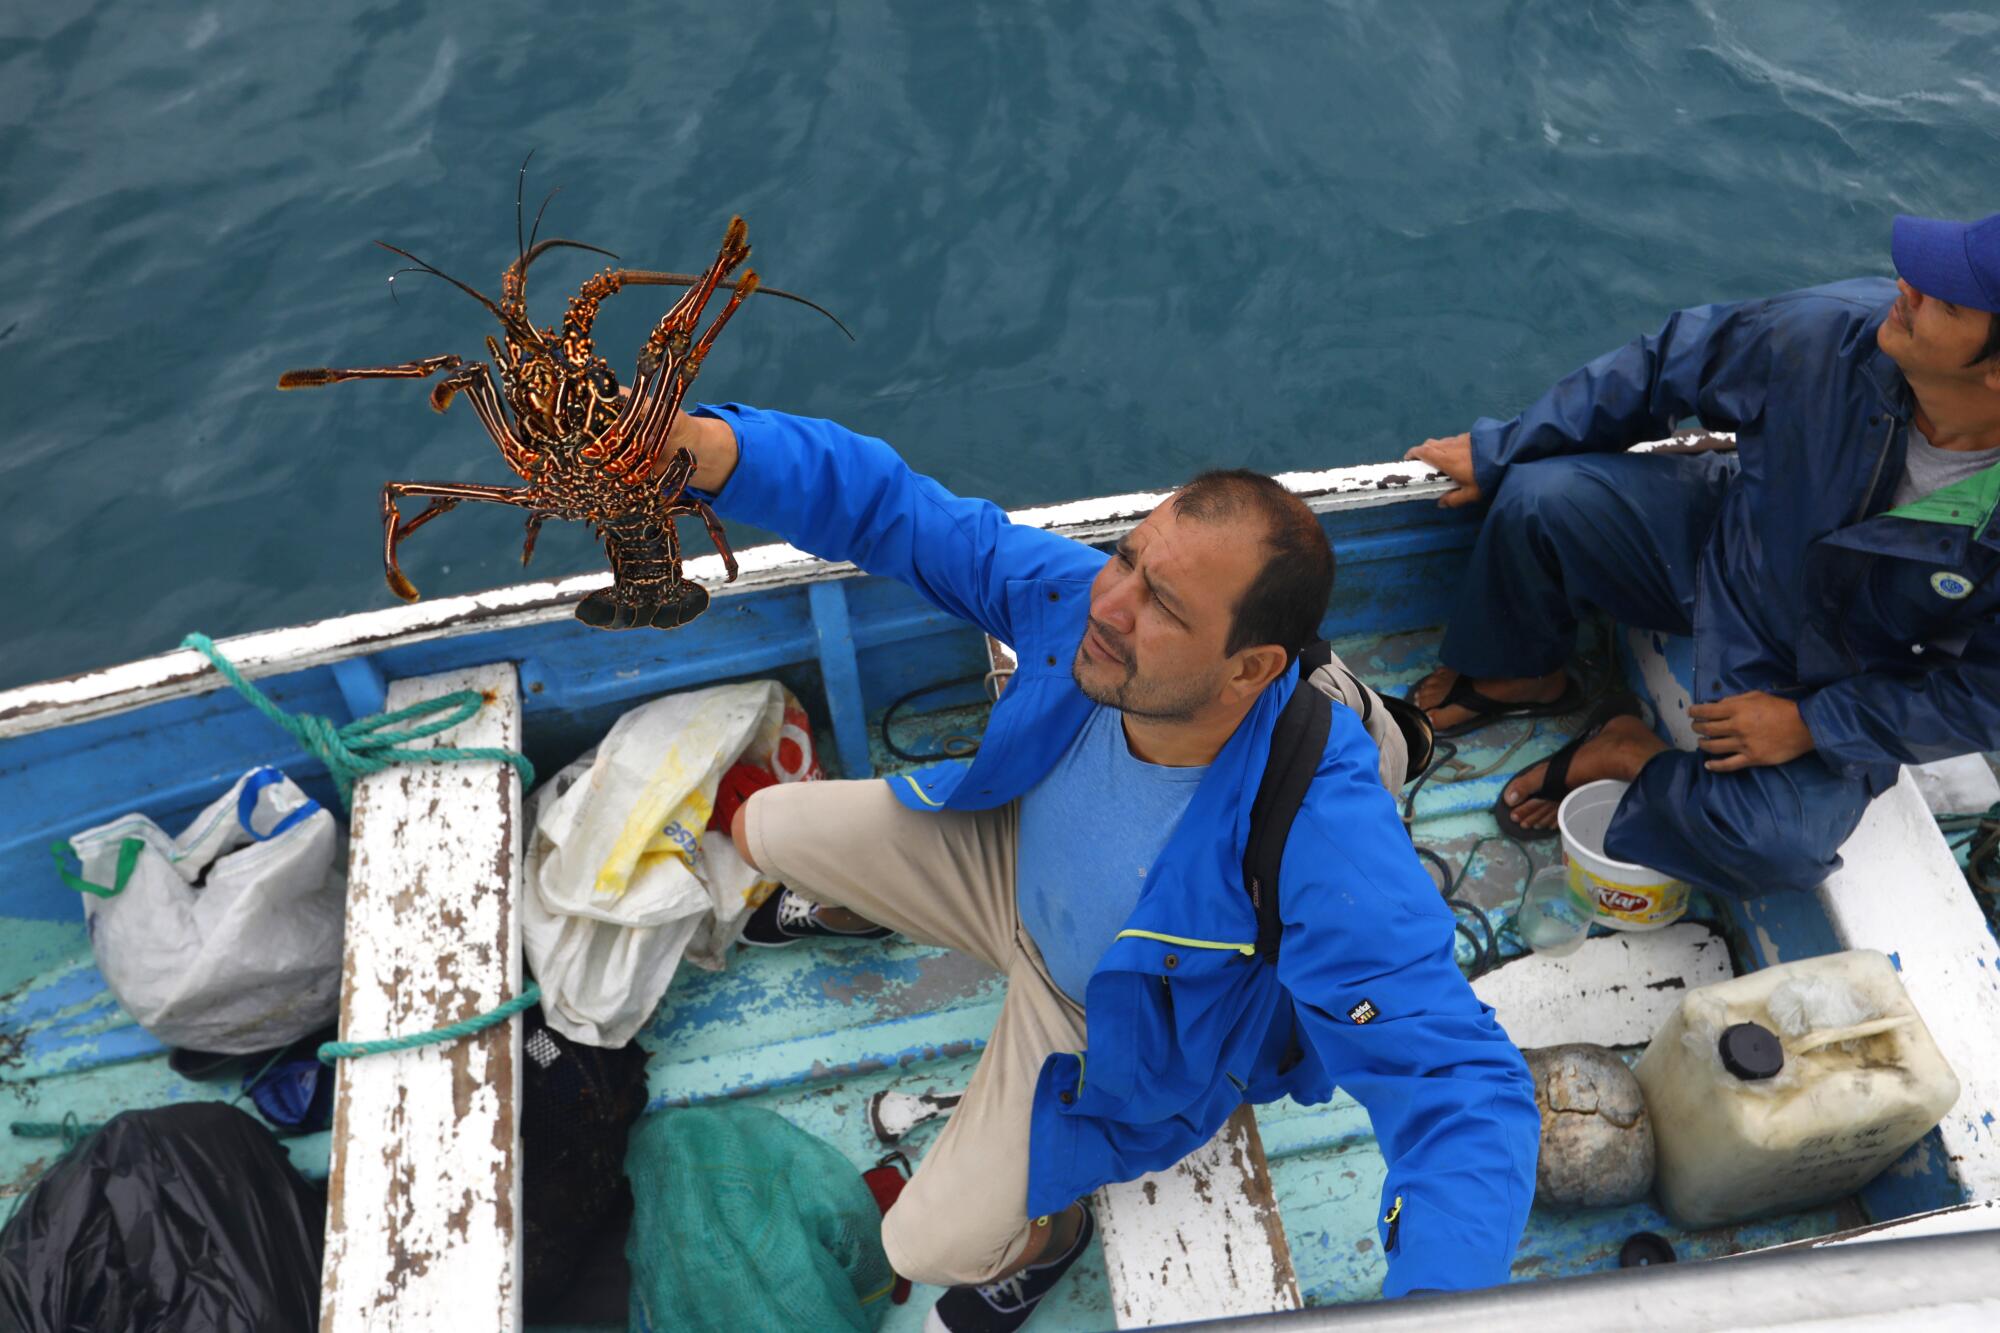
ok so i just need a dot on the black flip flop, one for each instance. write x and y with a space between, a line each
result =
1555 782
1487 710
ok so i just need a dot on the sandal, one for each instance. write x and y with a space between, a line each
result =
1488 710
1555 782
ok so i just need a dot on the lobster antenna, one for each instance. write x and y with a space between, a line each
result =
651 278
524 326
392 283
520 183
536 250
537 230
435 271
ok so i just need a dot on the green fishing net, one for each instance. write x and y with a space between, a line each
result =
744 1221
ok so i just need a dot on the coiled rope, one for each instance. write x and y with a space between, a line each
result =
364 746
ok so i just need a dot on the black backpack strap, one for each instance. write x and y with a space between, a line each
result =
1297 742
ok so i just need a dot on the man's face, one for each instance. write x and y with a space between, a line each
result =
1929 337
1160 612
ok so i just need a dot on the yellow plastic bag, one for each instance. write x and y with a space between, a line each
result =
623 876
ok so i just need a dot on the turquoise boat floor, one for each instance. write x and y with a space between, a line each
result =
814 1031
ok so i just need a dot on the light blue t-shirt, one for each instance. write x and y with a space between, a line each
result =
1090 831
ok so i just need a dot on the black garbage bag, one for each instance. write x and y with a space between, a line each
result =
578 1105
185 1218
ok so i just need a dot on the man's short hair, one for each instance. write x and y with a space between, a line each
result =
1287 598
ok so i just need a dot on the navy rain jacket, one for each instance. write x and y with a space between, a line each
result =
1882 627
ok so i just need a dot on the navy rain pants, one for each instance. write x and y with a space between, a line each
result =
1622 533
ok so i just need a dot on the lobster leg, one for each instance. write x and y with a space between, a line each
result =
409 370
475 381
716 536
535 521
674 479
444 496
637 461
659 384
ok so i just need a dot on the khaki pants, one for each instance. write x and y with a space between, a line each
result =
945 879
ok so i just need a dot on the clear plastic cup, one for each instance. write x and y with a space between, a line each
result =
1554 918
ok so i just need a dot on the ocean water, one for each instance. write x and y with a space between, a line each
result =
1085 248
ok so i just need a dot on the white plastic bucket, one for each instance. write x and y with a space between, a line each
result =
1628 896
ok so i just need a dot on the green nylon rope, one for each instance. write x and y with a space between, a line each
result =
363 746
348 1050
69 1129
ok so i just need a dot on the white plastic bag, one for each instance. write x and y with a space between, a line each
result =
227 938
623 877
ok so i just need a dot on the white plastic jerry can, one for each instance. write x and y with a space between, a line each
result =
1789 1087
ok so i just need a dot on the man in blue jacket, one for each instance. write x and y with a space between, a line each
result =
1836 571
1093 852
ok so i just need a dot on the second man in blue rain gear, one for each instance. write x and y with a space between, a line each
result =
1836 571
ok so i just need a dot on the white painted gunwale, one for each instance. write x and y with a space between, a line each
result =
183 672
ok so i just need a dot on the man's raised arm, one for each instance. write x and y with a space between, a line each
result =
1706 362
843 496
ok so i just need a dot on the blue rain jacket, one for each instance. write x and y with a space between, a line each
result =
1882 627
1185 1022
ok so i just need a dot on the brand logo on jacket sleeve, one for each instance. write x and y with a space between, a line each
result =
1947 584
1363 1013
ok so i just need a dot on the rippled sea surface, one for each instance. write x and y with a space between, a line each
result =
1086 248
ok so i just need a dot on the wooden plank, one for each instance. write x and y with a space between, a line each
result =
1980 1217
424 1190
1201 1240
1900 891
1614 991
840 677
1973 1217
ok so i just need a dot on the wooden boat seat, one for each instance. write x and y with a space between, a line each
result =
1200 1240
1614 991
424 1190
1900 891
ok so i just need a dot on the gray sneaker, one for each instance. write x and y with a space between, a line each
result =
1003 1306
785 918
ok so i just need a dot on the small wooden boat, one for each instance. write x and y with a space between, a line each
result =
824 1034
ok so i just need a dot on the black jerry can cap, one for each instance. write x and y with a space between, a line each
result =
1751 1052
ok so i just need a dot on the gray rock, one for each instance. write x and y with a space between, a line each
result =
1597 1141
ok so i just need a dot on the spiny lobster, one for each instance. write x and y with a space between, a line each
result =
587 451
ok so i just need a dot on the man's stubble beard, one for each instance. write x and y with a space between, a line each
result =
1135 698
